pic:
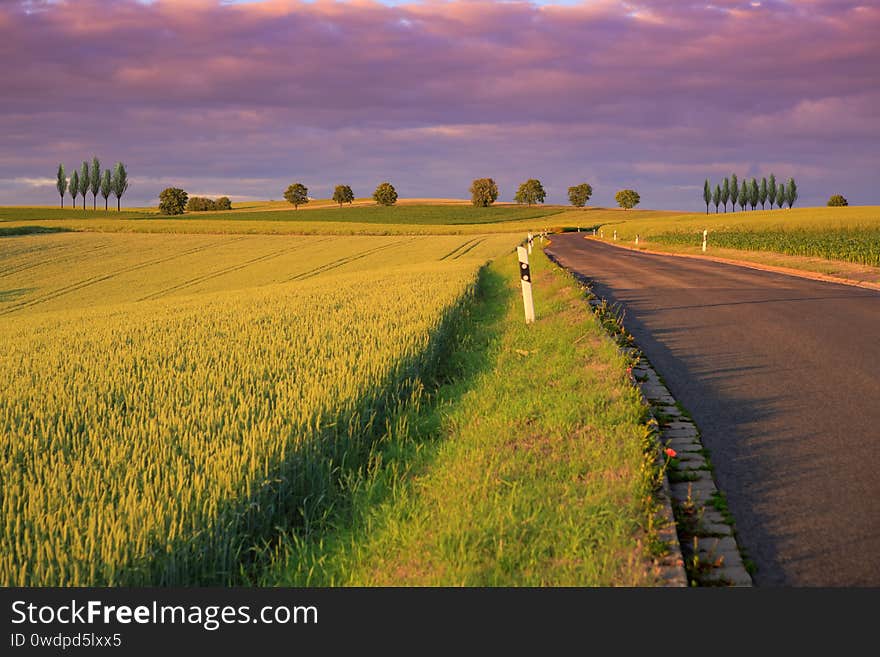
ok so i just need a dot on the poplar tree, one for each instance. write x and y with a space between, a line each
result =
74 186
780 195
791 194
84 182
762 193
754 194
716 197
725 193
61 185
771 190
734 191
106 186
744 195
119 183
707 194
95 181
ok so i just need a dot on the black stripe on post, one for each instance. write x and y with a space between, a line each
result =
524 272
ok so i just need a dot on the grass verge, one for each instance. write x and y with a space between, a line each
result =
528 463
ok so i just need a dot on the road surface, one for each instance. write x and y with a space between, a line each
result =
782 376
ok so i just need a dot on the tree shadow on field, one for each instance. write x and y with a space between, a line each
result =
310 495
17 231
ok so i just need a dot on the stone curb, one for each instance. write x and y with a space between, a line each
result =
702 547
788 271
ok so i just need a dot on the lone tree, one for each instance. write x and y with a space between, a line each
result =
780 195
716 197
74 187
763 192
771 189
791 193
343 194
484 192
725 193
119 183
837 201
707 194
580 194
297 194
61 185
531 191
385 194
95 181
627 198
106 186
744 195
172 200
734 191
84 182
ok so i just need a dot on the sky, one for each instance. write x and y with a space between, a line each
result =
243 98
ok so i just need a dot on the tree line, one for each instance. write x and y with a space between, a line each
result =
483 191
173 201
750 193
90 178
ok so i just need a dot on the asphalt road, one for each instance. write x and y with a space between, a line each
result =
782 376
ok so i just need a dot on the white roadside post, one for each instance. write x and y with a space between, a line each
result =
530 242
525 277
637 240
615 235
705 235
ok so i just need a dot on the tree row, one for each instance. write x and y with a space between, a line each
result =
90 178
750 193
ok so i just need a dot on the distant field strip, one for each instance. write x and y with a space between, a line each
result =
69 269
403 214
167 401
847 244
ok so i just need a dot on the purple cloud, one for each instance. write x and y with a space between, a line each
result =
242 99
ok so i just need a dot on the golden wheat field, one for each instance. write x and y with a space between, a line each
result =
166 401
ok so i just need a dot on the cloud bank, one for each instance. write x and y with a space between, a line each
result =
243 99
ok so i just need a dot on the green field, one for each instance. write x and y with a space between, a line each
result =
406 219
172 406
428 215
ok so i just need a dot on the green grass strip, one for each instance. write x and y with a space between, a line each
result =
525 465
